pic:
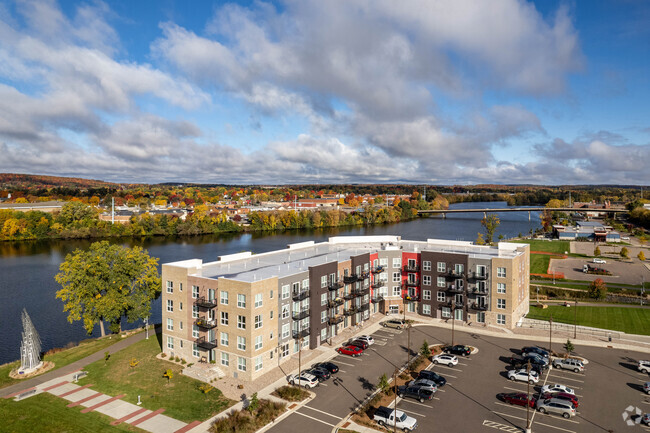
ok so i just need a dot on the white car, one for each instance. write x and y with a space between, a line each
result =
367 338
643 366
523 376
445 358
304 379
600 261
556 387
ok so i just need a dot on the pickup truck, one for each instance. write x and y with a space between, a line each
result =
385 416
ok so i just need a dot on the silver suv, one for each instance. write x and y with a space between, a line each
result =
643 366
569 364
555 405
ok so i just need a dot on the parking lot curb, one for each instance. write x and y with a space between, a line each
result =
289 411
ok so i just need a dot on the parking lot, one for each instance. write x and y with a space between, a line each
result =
610 387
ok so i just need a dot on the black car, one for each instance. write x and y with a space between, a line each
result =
359 343
329 366
458 349
536 363
536 350
415 392
320 373
430 375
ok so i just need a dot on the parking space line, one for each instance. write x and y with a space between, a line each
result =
512 406
515 389
315 419
322 384
569 372
511 416
552 426
415 413
568 378
448 368
559 418
449 375
415 402
324 413
341 362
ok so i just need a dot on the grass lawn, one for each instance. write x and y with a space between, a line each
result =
46 413
539 263
549 246
181 398
629 320
64 357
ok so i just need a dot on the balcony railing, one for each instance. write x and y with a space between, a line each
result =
349 279
412 283
377 298
455 304
334 320
364 307
477 291
453 273
378 284
350 295
300 295
480 275
411 298
335 285
300 334
411 268
299 315
350 311
378 269
455 289
479 307
364 275
361 291
333 303
205 344
204 323
205 303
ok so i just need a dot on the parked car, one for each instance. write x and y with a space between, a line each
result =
643 366
445 358
458 349
517 398
569 364
424 383
625 238
646 387
350 350
536 363
389 417
599 261
393 323
359 343
304 379
417 392
537 359
560 407
645 419
523 376
517 365
562 396
367 338
534 349
329 366
556 387
430 375
320 373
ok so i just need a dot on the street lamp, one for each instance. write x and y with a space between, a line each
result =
146 328
550 329
453 320
395 402
575 322
528 399
408 346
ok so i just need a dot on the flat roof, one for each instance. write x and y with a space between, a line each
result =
298 258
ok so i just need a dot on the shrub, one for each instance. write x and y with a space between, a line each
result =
183 361
425 350
243 422
641 256
625 253
383 384
177 359
597 251
291 393
163 355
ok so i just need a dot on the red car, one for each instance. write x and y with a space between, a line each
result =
350 350
562 396
518 398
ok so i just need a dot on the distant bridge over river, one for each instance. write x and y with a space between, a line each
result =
444 212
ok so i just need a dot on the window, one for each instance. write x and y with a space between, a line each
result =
480 317
170 324
458 314
397 262
441 297
285 330
383 262
459 268
170 342
180 306
501 287
501 319
323 281
170 306
458 298
501 272
180 287
241 301
501 304
241 322
258 363
170 287
397 290
195 350
426 309
442 267
224 339
305 284
180 325
195 292
285 311
426 295
271 294
241 343
323 299
225 359
426 280
323 334
397 277
323 316
426 265
258 321
271 314
446 312
284 351
285 291
441 282
195 311
195 331
258 342
224 318
224 298
258 300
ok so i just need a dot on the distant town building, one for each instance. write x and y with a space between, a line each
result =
591 230
43 206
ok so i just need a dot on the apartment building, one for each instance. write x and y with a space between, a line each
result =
249 313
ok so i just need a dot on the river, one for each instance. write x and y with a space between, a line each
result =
27 269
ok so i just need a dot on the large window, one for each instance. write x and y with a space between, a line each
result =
397 277
195 331
441 297
195 292
170 306
442 267
224 318
241 363
224 297
224 339
258 363
426 280
323 316
195 311
441 282
501 304
446 312
501 287
480 317
241 343
258 321
170 324
397 262
501 319
323 281
241 322
285 331
285 291
258 342
225 359
323 299
284 350
170 287
426 295
397 290
501 272
383 262
285 311
170 342
426 309
426 265
241 301
195 350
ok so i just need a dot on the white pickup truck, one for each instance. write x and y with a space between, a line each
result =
385 416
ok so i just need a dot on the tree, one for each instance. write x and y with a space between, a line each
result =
108 282
479 239
597 289
568 346
253 404
133 363
168 374
490 222
75 213
625 253
641 256
597 252
107 356
425 350
383 384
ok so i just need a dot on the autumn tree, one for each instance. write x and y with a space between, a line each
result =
108 282
490 222
641 256
597 252
597 289
74 212
625 253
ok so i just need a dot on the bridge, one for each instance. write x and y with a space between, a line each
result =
444 212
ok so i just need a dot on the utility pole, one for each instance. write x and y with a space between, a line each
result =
408 347
550 329
112 210
575 322
395 402
453 319
528 399
299 358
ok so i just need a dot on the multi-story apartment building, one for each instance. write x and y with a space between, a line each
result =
248 313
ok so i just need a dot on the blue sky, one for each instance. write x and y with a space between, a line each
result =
305 91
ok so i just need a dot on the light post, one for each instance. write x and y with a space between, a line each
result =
395 402
537 295
408 347
550 329
299 357
453 319
146 328
528 399
575 322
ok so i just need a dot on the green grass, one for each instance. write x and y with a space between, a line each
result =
181 398
558 247
46 413
61 358
539 263
628 320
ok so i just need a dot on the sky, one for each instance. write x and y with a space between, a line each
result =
338 91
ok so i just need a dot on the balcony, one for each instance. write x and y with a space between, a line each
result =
300 334
335 285
205 344
411 298
350 311
411 268
361 292
378 284
364 307
477 291
377 298
479 307
299 315
204 323
349 296
453 273
364 275
455 289
333 303
205 303
335 320
349 279
378 270
412 283
300 295
480 275
455 304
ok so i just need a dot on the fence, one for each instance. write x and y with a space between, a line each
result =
565 327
